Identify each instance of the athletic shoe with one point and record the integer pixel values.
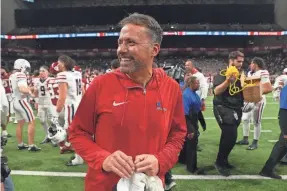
(270, 175)
(253, 146)
(170, 185)
(9, 135)
(222, 170)
(242, 142)
(75, 162)
(22, 147)
(34, 148)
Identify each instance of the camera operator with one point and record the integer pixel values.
(6, 181)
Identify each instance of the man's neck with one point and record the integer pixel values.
(257, 69)
(43, 79)
(193, 71)
(142, 77)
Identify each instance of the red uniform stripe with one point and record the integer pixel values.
(28, 109)
(260, 110)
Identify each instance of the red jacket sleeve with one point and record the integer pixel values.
(83, 127)
(168, 157)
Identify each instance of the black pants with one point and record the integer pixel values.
(280, 148)
(191, 154)
(188, 154)
(228, 121)
(168, 177)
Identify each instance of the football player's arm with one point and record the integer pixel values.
(63, 89)
(83, 88)
(34, 91)
(168, 156)
(22, 84)
(82, 130)
(203, 86)
(23, 87)
(266, 84)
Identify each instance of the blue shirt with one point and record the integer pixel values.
(191, 102)
(181, 84)
(283, 98)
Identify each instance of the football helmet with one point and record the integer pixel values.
(248, 106)
(77, 68)
(56, 133)
(22, 65)
(54, 69)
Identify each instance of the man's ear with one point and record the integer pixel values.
(156, 49)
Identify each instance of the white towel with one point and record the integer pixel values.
(140, 182)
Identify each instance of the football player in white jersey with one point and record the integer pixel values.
(70, 95)
(41, 91)
(4, 109)
(257, 69)
(277, 85)
(23, 110)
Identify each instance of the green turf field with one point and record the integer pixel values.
(247, 162)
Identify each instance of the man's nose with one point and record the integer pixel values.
(122, 48)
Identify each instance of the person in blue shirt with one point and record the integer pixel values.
(192, 106)
(279, 149)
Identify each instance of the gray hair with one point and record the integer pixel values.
(147, 21)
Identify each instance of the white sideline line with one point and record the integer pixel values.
(209, 118)
(264, 131)
(218, 177)
(43, 173)
(272, 141)
(177, 177)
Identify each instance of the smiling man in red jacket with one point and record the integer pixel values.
(130, 120)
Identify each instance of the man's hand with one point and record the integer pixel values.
(120, 164)
(204, 127)
(147, 164)
(285, 137)
(203, 106)
(231, 78)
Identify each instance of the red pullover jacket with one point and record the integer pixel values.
(122, 115)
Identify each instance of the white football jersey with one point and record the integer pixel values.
(3, 98)
(280, 81)
(16, 79)
(263, 74)
(43, 91)
(74, 82)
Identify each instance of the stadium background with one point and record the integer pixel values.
(205, 30)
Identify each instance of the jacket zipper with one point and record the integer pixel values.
(144, 92)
